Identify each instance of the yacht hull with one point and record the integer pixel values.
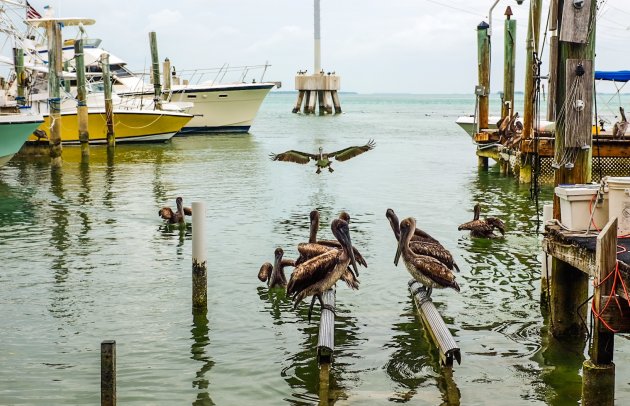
(14, 131)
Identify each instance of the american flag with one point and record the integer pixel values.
(31, 12)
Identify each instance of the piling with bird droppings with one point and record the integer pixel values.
(433, 322)
(199, 257)
(108, 373)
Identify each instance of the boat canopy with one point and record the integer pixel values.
(615, 76)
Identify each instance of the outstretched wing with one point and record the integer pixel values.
(293, 156)
(351, 152)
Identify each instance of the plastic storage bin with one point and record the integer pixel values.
(576, 203)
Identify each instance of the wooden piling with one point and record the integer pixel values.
(108, 373)
(483, 56)
(82, 109)
(434, 324)
(569, 289)
(326, 337)
(545, 271)
(20, 75)
(155, 64)
(53, 31)
(109, 108)
(482, 162)
(509, 62)
(199, 257)
(532, 44)
(553, 60)
(166, 71)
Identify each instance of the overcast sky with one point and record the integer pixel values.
(393, 46)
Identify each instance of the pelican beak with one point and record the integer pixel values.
(398, 252)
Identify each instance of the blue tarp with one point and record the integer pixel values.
(617, 76)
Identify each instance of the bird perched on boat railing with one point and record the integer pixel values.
(318, 274)
(422, 243)
(274, 274)
(483, 228)
(425, 269)
(322, 159)
(173, 217)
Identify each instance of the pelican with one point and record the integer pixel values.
(620, 127)
(483, 228)
(318, 274)
(175, 217)
(422, 243)
(322, 159)
(274, 274)
(425, 269)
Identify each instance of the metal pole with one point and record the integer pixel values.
(199, 260)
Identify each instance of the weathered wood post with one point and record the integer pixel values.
(155, 71)
(199, 260)
(546, 263)
(82, 109)
(109, 108)
(553, 60)
(570, 286)
(108, 373)
(326, 344)
(598, 373)
(531, 67)
(20, 75)
(483, 58)
(166, 71)
(508, 65)
(53, 31)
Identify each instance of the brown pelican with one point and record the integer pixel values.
(425, 269)
(318, 274)
(483, 228)
(322, 159)
(620, 127)
(175, 217)
(422, 243)
(274, 274)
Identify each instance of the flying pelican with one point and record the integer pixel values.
(483, 228)
(274, 274)
(422, 243)
(425, 269)
(317, 275)
(175, 217)
(322, 159)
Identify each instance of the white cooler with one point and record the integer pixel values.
(575, 205)
(620, 203)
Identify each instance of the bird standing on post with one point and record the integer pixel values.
(425, 269)
(318, 274)
(322, 159)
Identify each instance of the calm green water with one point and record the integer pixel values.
(86, 259)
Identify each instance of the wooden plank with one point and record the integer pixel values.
(602, 347)
(616, 314)
(577, 257)
(575, 22)
(579, 87)
(606, 148)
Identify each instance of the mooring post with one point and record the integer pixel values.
(166, 71)
(109, 108)
(326, 343)
(533, 38)
(483, 55)
(482, 162)
(108, 373)
(598, 374)
(20, 75)
(545, 271)
(553, 60)
(155, 71)
(432, 321)
(82, 109)
(54, 101)
(509, 63)
(199, 257)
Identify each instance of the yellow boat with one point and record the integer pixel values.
(129, 126)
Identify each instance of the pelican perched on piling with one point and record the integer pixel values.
(425, 269)
(175, 216)
(422, 243)
(483, 228)
(274, 274)
(322, 159)
(318, 274)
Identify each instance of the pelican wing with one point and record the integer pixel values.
(293, 156)
(351, 152)
(337, 244)
(434, 270)
(312, 271)
(479, 226)
(350, 280)
(436, 251)
(310, 250)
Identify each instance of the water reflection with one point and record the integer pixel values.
(85, 202)
(415, 363)
(201, 341)
(276, 302)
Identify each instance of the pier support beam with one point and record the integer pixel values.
(320, 91)
(525, 169)
(598, 384)
(482, 162)
(569, 289)
(483, 61)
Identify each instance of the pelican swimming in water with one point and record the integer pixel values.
(422, 243)
(425, 269)
(322, 159)
(274, 274)
(175, 216)
(483, 228)
(318, 274)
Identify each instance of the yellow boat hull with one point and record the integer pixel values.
(129, 126)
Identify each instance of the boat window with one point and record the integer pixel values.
(223, 95)
(192, 96)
